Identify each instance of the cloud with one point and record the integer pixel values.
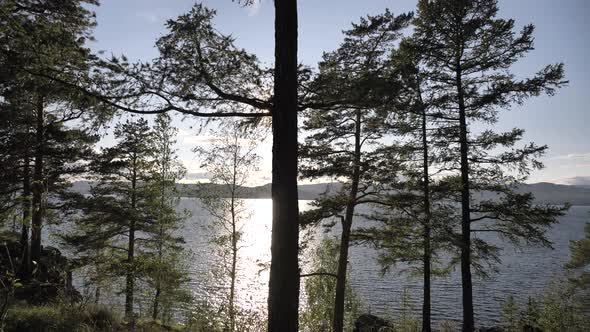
(573, 157)
(199, 140)
(577, 181)
(149, 16)
(254, 8)
(197, 175)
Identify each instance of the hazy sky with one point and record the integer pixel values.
(130, 27)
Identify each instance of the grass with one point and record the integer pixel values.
(46, 318)
(74, 318)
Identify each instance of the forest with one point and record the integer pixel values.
(401, 117)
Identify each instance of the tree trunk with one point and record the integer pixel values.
(130, 278)
(427, 229)
(25, 267)
(155, 312)
(38, 185)
(234, 240)
(97, 295)
(232, 312)
(158, 287)
(283, 299)
(338, 323)
(468, 321)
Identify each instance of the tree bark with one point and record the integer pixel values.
(24, 269)
(338, 324)
(155, 312)
(38, 184)
(130, 278)
(283, 299)
(234, 240)
(426, 323)
(466, 284)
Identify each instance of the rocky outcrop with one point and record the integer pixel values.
(49, 279)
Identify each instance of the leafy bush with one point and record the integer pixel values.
(558, 309)
(448, 326)
(317, 312)
(406, 321)
(511, 315)
(61, 318)
(205, 317)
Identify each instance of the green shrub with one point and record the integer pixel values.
(562, 311)
(316, 314)
(49, 318)
(511, 315)
(558, 309)
(406, 321)
(448, 326)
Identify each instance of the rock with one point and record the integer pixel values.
(51, 277)
(370, 323)
(490, 329)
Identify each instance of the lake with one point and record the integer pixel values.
(523, 273)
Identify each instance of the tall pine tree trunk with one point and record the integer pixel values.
(38, 184)
(234, 240)
(163, 195)
(232, 294)
(427, 229)
(157, 294)
(25, 267)
(466, 284)
(283, 299)
(158, 287)
(338, 324)
(130, 277)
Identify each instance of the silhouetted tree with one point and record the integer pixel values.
(200, 69)
(45, 38)
(344, 142)
(119, 210)
(469, 52)
(164, 247)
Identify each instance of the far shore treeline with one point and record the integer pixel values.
(545, 193)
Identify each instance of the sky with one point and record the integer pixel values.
(562, 122)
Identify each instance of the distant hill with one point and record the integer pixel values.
(548, 193)
(306, 191)
(551, 193)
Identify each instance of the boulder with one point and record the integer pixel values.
(51, 276)
(371, 323)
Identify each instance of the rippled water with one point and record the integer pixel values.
(523, 273)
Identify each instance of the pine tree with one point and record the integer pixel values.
(42, 40)
(200, 69)
(119, 216)
(469, 53)
(164, 247)
(344, 142)
(413, 217)
(62, 150)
